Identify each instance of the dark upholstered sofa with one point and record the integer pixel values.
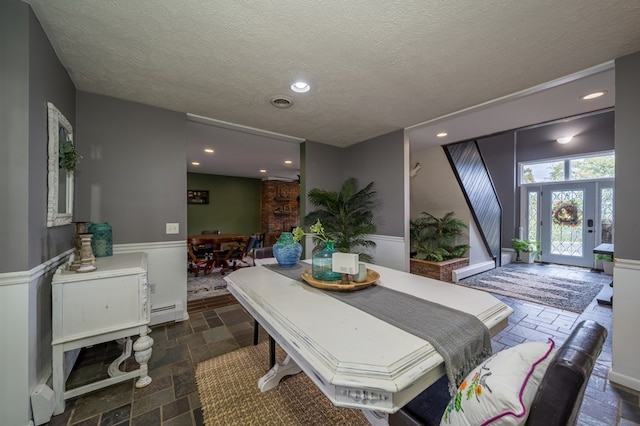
(559, 394)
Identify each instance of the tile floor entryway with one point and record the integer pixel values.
(220, 325)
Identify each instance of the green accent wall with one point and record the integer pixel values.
(234, 204)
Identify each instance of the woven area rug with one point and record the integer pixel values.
(559, 292)
(229, 394)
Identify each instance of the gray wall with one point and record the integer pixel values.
(133, 169)
(321, 167)
(499, 155)
(593, 133)
(627, 202)
(502, 153)
(381, 160)
(49, 82)
(30, 75)
(14, 135)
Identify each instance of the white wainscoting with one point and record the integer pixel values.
(25, 330)
(167, 278)
(625, 368)
(391, 252)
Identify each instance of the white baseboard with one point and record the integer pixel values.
(467, 271)
(626, 381)
(168, 313)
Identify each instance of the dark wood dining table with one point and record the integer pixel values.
(216, 240)
(219, 239)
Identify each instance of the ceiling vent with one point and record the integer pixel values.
(281, 101)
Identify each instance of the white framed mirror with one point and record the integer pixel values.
(60, 168)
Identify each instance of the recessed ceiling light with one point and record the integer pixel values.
(594, 95)
(565, 139)
(442, 134)
(195, 163)
(208, 150)
(263, 170)
(288, 162)
(300, 87)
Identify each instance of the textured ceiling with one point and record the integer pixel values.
(373, 66)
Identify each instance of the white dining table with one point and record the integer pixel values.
(357, 360)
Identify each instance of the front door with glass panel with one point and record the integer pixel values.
(567, 223)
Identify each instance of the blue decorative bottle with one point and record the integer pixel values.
(322, 264)
(286, 250)
(102, 241)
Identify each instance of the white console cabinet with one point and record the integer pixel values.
(108, 304)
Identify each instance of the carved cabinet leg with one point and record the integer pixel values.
(142, 348)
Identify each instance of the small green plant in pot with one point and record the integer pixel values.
(607, 263)
(526, 250)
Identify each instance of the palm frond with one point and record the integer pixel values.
(346, 215)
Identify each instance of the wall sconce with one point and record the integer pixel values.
(564, 140)
(414, 172)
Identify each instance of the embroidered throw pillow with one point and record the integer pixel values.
(501, 389)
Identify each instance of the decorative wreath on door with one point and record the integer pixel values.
(566, 212)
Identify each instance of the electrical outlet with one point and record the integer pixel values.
(173, 228)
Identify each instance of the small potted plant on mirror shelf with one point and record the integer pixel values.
(67, 155)
(526, 250)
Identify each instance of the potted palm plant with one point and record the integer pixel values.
(435, 251)
(346, 216)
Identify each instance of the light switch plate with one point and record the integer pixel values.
(345, 263)
(173, 228)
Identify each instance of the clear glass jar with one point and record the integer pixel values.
(322, 264)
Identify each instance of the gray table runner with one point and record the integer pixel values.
(460, 338)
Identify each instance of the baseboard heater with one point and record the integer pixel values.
(467, 271)
(167, 313)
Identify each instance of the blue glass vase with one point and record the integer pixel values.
(322, 264)
(102, 241)
(286, 250)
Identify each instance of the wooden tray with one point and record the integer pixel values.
(372, 277)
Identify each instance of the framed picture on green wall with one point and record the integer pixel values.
(197, 196)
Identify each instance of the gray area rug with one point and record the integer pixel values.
(559, 292)
(206, 286)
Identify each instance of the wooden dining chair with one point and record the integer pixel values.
(200, 256)
(237, 253)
